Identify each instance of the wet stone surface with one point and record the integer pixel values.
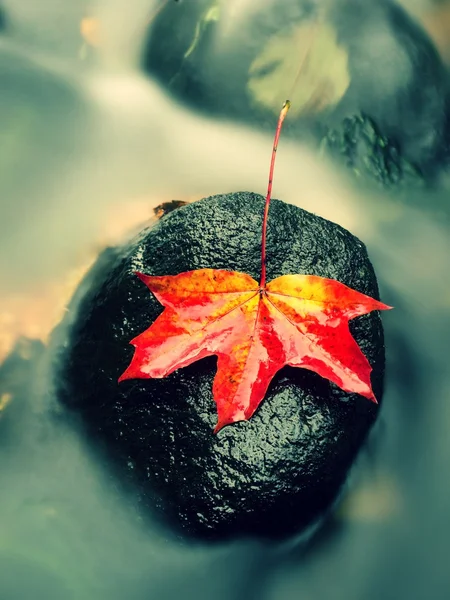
(270, 476)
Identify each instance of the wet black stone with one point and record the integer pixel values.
(270, 476)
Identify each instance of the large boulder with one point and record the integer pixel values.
(334, 60)
(269, 476)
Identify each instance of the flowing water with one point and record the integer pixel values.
(89, 145)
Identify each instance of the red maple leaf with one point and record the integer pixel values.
(297, 320)
(254, 328)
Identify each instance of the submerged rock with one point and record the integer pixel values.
(371, 156)
(332, 60)
(270, 476)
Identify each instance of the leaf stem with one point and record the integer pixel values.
(283, 113)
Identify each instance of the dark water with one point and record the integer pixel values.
(84, 132)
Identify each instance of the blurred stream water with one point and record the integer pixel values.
(86, 135)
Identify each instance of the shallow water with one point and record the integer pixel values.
(88, 140)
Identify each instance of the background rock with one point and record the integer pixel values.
(270, 476)
(360, 146)
(366, 58)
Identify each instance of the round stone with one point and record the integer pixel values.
(270, 476)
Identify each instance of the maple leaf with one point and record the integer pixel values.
(254, 328)
(296, 320)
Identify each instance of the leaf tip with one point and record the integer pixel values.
(371, 396)
(127, 374)
(141, 276)
(382, 306)
(222, 422)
